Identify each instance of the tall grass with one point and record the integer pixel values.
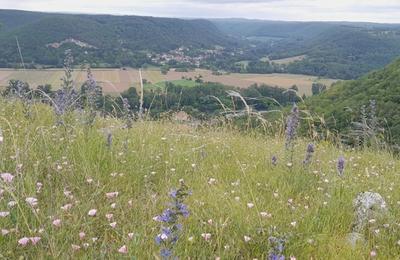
(239, 198)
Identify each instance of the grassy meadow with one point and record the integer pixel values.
(116, 80)
(239, 198)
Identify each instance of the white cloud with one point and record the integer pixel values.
(304, 10)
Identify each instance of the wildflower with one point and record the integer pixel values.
(23, 241)
(373, 253)
(274, 160)
(250, 205)
(112, 195)
(57, 223)
(35, 240)
(340, 165)
(75, 247)
(4, 214)
(165, 253)
(212, 181)
(113, 205)
(31, 201)
(92, 212)
(130, 235)
(277, 247)
(1, 137)
(292, 124)
(247, 239)
(7, 177)
(109, 216)
(82, 235)
(66, 207)
(206, 236)
(39, 186)
(123, 250)
(85, 245)
(109, 140)
(309, 153)
(265, 214)
(113, 224)
(5, 232)
(170, 230)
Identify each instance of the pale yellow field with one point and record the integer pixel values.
(116, 80)
(286, 60)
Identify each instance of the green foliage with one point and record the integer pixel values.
(117, 40)
(334, 50)
(341, 104)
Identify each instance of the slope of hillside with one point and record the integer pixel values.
(333, 49)
(113, 36)
(73, 192)
(341, 103)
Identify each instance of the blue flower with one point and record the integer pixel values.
(340, 165)
(165, 253)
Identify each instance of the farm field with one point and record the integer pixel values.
(116, 80)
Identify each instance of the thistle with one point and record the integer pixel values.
(171, 227)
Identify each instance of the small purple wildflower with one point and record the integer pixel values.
(340, 165)
(165, 253)
(309, 153)
(109, 140)
(274, 160)
(277, 248)
(292, 123)
(171, 229)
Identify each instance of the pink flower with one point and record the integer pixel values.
(66, 207)
(206, 236)
(31, 201)
(82, 235)
(112, 195)
(35, 240)
(7, 177)
(23, 241)
(92, 212)
(109, 216)
(57, 222)
(4, 214)
(113, 225)
(123, 250)
(75, 247)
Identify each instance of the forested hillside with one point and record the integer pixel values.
(114, 40)
(337, 50)
(370, 103)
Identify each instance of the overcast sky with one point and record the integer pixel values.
(294, 10)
